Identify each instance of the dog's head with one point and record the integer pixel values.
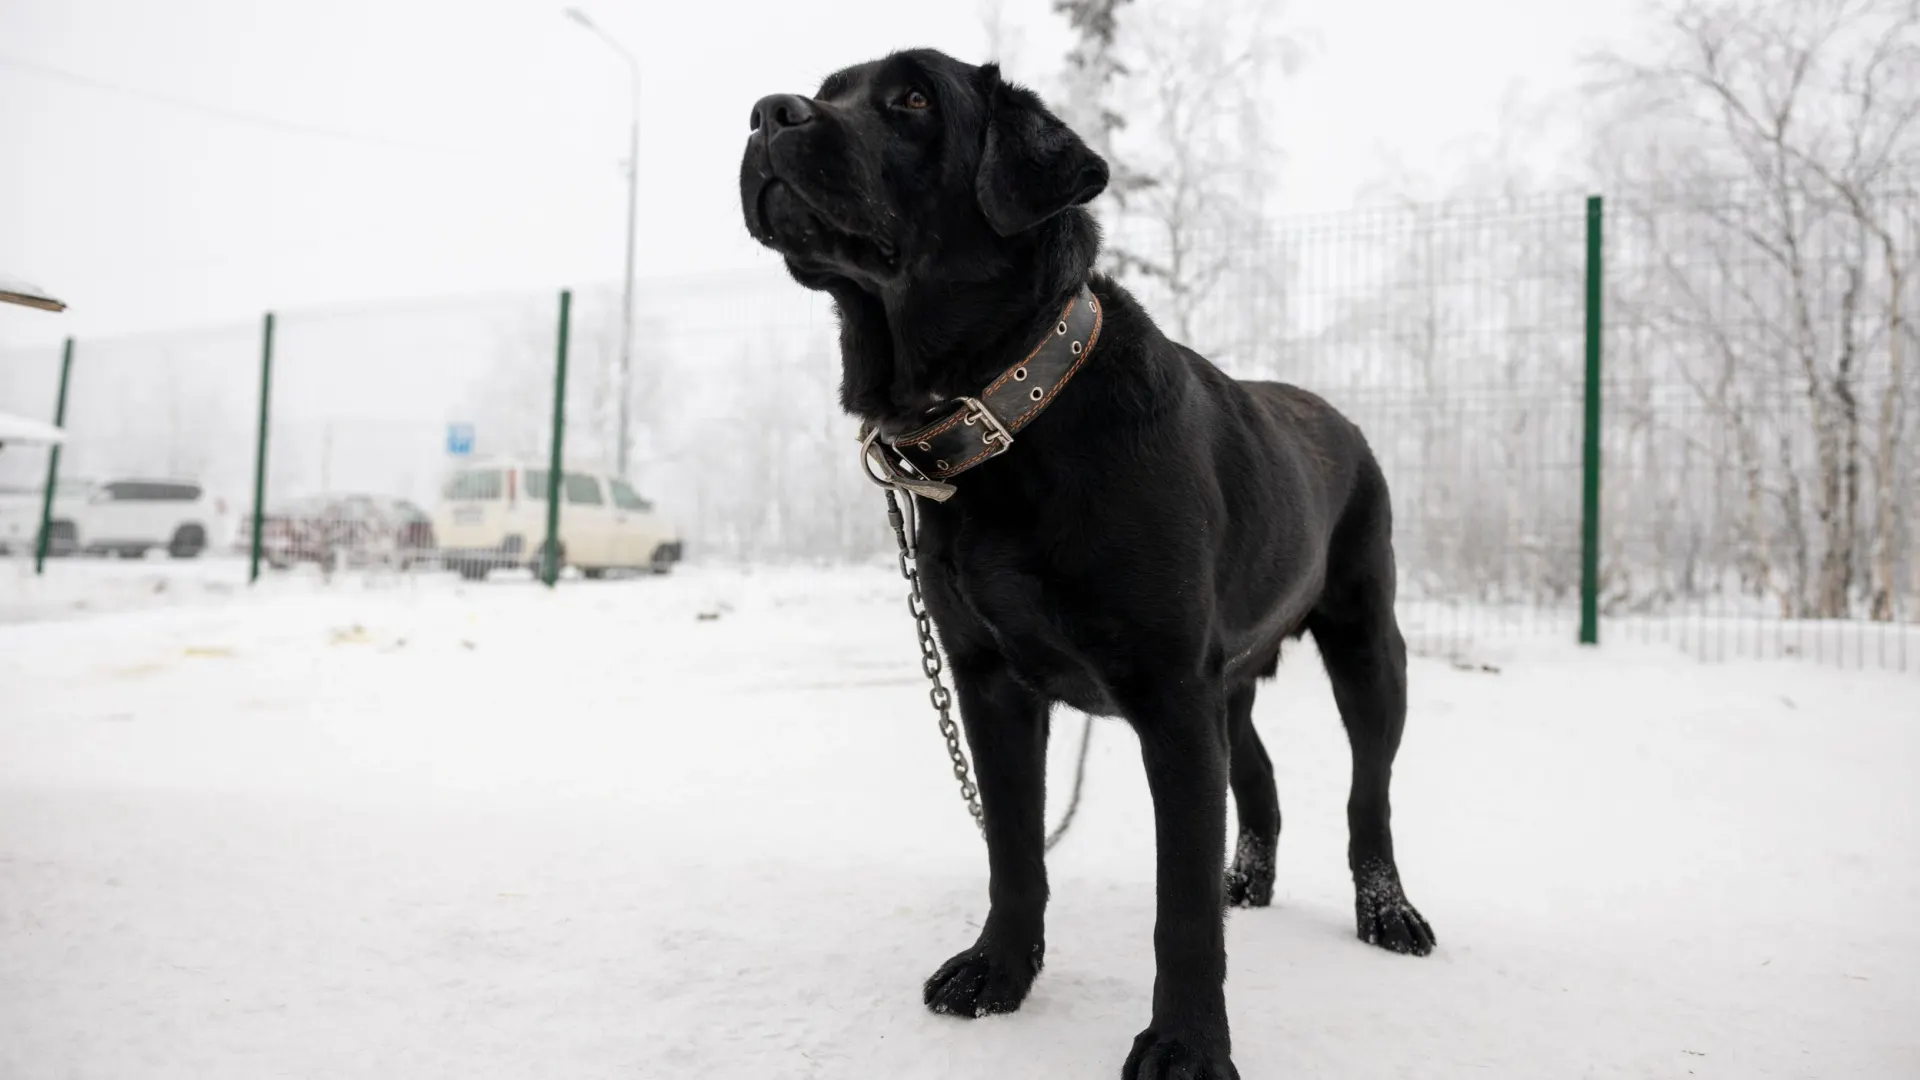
(906, 169)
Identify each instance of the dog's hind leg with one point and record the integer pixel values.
(1366, 658)
(1250, 878)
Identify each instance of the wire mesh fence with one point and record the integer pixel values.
(1759, 445)
(362, 402)
(1453, 336)
(156, 461)
(1763, 450)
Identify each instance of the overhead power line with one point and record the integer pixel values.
(272, 123)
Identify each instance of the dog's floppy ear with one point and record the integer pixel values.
(1033, 165)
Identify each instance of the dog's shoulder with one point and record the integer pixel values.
(1306, 423)
(1168, 379)
(1296, 407)
(1299, 411)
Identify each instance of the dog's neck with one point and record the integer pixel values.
(909, 347)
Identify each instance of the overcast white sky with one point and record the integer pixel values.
(487, 132)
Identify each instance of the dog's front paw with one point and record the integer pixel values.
(983, 980)
(1385, 917)
(1159, 1055)
(1250, 878)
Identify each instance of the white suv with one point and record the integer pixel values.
(125, 517)
(495, 515)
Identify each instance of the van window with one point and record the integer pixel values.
(146, 491)
(626, 498)
(581, 489)
(480, 485)
(584, 490)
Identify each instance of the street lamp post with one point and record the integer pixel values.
(624, 436)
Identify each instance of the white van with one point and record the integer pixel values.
(494, 514)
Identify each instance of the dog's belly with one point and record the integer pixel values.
(1251, 645)
(1075, 689)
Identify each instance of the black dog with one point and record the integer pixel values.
(1143, 550)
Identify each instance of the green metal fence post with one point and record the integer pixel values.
(550, 549)
(53, 464)
(1590, 455)
(260, 449)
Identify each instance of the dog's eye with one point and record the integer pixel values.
(915, 100)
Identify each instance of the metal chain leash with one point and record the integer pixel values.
(1079, 777)
(930, 662)
(943, 699)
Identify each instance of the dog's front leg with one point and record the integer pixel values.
(1185, 751)
(1006, 728)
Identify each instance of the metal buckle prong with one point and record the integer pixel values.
(996, 431)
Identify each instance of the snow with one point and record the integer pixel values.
(88, 585)
(703, 826)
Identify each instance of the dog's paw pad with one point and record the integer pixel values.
(1385, 917)
(981, 982)
(1250, 878)
(1159, 1056)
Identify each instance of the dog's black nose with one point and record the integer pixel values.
(776, 111)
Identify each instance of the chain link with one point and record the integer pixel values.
(942, 699)
(938, 693)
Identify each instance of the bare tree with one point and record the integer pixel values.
(1092, 68)
(1093, 74)
(1813, 107)
(1199, 86)
(1003, 38)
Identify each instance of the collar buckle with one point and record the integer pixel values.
(877, 461)
(995, 434)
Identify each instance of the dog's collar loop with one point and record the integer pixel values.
(977, 429)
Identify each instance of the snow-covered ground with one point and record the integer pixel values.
(702, 826)
(86, 586)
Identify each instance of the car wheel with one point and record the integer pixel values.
(663, 560)
(594, 573)
(188, 542)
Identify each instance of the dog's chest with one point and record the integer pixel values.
(1043, 639)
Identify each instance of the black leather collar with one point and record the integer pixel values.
(977, 429)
